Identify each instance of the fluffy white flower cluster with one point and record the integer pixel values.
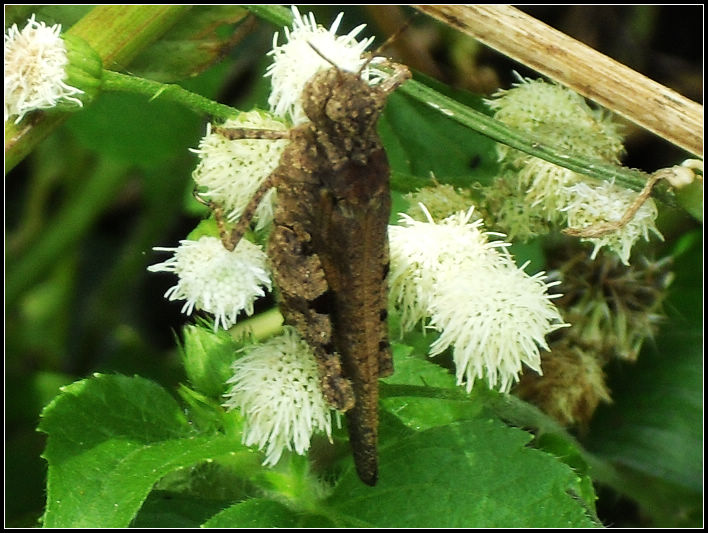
(35, 69)
(215, 280)
(423, 252)
(553, 112)
(588, 204)
(493, 315)
(276, 386)
(308, 49)
(230, 171)
(554, 194)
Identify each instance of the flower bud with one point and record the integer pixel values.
(85, 68)
(45, 70)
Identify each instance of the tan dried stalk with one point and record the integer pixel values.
(588, 72)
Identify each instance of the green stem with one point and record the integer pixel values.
(115, 81)
(117, 34)
(500, 132)
(260, 326)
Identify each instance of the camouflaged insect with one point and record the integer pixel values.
(329, 245)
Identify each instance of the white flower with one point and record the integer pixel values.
(295, 61)
(230, 171)
(554, 194)
(559, 116)
(35, 69)
(589, 205)
(493, 314)
(496, 318)
(277, 388)
(422, 252)
(562, 118)
(215, 280)
(546, 187)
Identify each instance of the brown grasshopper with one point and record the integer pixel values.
(329, 245)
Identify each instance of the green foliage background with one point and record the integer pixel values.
(82, 313)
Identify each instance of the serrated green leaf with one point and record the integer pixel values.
(567, 452)
(419, 412)
(474, 473)
(132, 407)
(412, 368)
(260, 513)
(110, 439)
(207, 358)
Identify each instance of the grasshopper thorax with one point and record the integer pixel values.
(344, 107)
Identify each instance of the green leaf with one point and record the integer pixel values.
(570, 454)
(108, 126)
(110, 439)
(164, 509)
(430, 412)
(419, 140)
(207, 358)
(474, 473)
(656, 424)
(192, 45)
(424, 412)
(260, 512)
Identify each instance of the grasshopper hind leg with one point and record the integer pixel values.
(304, 296)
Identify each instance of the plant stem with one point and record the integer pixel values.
(117, 34)
(629, 178)
(115, 81)
(500, 132)
(260, 326)
(611, 84)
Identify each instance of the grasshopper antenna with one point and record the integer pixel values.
(372, 56)
(319, 53)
